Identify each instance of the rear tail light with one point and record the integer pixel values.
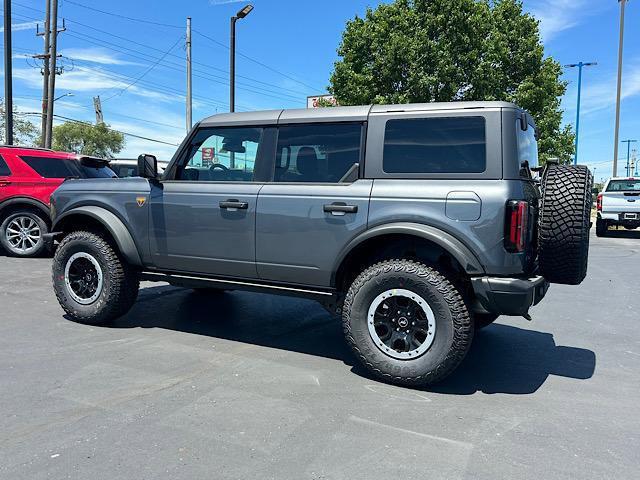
(599, 202)
(516, 226)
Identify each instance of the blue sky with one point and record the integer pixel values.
(287, 49)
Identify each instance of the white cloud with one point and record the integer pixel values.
(95, 55)
(600, 94)
(16, 27)
(557, 16)
(85, 79)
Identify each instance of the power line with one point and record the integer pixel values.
(145, 72)
(206, 65)
(178, 67)
(255, 61)
(133, 19)
(204, 75)
(109, 128)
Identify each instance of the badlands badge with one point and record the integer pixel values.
(141, 201)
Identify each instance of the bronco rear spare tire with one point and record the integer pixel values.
(565, 220)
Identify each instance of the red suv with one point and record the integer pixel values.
(28, 177)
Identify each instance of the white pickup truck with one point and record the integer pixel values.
(618, 205)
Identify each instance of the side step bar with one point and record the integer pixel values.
(324, 296)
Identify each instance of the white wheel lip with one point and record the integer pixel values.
(426, 308)
(17, 234)
(72, 294)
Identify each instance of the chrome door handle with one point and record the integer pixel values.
(234, 204)
(339, 208)
(4, 183)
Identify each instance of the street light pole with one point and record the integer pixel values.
(579, 65)
(8, 78)
(232, 56)
(619, 89)
(628, 142)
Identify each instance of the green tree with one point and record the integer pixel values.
(445, 50)
(24, 132)
(87, 139)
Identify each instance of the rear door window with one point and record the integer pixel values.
(435, 145)
(318, 153)
(4, 168)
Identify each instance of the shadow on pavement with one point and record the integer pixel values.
(502, 359)
(634, 234)
(508, 359)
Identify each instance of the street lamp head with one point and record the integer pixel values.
(245, 11)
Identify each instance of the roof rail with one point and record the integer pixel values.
(27, 148)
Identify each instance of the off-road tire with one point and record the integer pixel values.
(602, 229)
(121, 282)
(453, 334)
(565, 221)
(483, 320)
(40, 246)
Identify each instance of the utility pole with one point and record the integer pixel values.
(189, 93)
(8, 76)
(97, 106)
(619, 89)
(53, 56)
(45, 71)
(628, 142)
(579, 65)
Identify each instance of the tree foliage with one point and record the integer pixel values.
(24, 132)
(84, 138)
(446, 50)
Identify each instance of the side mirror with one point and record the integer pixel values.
(147, 166)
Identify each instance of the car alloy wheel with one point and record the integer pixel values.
(83, 278)
(401, 323)
(23, 235)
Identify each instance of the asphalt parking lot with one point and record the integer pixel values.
(247, 385)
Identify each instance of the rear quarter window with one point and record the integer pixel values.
(527, 148)
(48, 167)
(4, 168)
(435, 145)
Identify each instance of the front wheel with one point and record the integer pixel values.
(92, 283)
(406, 323)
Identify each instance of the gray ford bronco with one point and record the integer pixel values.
(418, 224)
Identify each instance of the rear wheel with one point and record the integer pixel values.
(565, 221)
(601, 228)
(92, 283)
(22, 234)
(406, 323)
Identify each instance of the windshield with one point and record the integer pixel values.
(631, 185)
(527, 145)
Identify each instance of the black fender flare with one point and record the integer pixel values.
(448, 242)
(114, 226)
(26, 201)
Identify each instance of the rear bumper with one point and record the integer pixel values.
(509, 296)
(614, 217)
